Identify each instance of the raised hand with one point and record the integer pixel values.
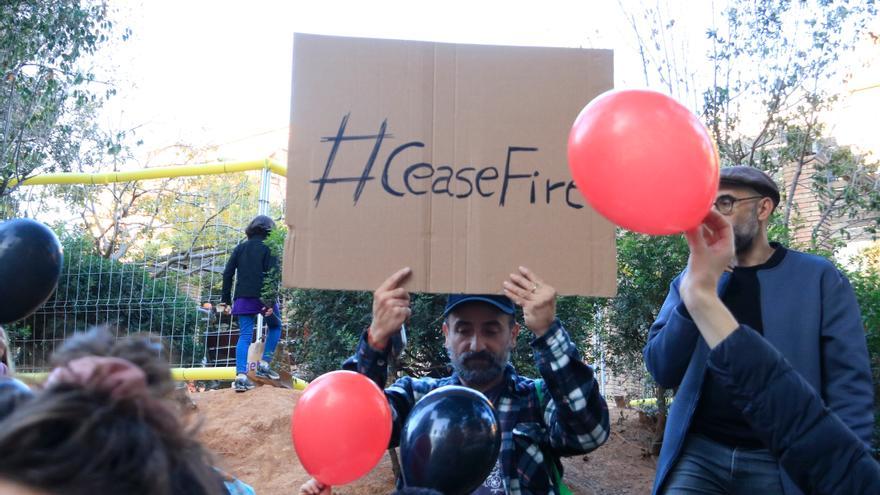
(537, 299)
(390, 309)
(712, 249)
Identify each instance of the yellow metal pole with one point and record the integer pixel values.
(182, 374)
(277, 168)
(155, 173)
(185, 374)
(221, 373)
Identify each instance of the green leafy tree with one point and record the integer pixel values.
(848, 190)
(272, 280)
(646, 265)
(168, 218)
(325, 327)
(865, 279)
(48, 99)
(773, 117)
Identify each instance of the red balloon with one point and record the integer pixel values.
(341, 427)
(644, 161)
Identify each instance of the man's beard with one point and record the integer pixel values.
(478, 368)
(744, 234)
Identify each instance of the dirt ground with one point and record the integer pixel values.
(250, 434)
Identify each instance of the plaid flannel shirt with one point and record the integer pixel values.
(571, 418)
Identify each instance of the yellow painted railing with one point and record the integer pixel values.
(156, 173)
(223, 373)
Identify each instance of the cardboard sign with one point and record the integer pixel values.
(450, 159)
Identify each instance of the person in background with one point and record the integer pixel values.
(249, 263)
(6, 366)
(817, 450)
(13, 393)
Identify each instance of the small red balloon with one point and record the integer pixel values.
(644, 161)
(341, 427)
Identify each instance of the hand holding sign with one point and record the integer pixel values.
(537, 299)
(644, 161)
(712, 247)
(390, 309)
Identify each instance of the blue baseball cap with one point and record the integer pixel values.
(503, 303)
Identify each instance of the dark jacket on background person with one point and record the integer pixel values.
(818, 452)
(252, 259)
(810, 315)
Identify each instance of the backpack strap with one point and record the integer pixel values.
(557, 477)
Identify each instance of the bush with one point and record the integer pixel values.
(326, 326)
(866, 284)
(93, 290)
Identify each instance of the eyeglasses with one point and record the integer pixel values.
(724, 204)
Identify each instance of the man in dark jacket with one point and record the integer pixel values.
(819, 453)
(802, 305)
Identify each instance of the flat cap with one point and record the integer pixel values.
(742, 175)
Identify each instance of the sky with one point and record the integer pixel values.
(217, 73)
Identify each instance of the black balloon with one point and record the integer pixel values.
(450, 441)
(12, 394)
(30, 264)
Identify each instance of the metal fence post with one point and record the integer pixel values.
(263, 209)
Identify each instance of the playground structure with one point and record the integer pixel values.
(144, 251)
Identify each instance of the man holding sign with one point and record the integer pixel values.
(562, 413)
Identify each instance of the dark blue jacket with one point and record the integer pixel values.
(819, 453)
(810, 315)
